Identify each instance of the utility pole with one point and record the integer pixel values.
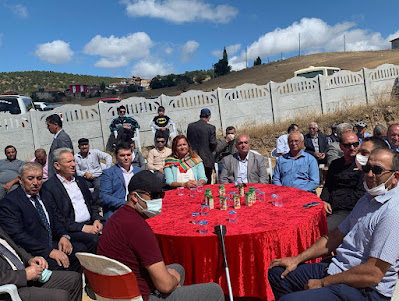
(246, 57)
(344, 44)
(299, 44)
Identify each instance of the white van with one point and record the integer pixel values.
(313, 71)
(16, 104)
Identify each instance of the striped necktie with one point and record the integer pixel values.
(43, 217)
(11, 256)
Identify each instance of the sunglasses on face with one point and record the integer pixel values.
(122, 112)
(348, 145)
(160, 141)
(153, 195)
(377, 170)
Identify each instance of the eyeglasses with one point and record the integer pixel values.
(377, 170)
(161, 141)
(153, 195)
(348, 145)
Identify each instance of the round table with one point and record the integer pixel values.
(262, 233)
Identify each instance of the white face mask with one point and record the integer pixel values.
(361, 161)
(379, 190)
(154, 207)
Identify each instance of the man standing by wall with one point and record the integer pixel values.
(61, 139)
(202, 137)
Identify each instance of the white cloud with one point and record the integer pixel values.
(393, 36)
(56, 52)
(180, 11)
(316, 35)
(149, 69)
(168, 50)
(18, 10)
(231, 50)
(188, 50)
(118, 52)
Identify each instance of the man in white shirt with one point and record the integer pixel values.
(72, 201)
(156, 157)
(88, 165)
(282, 141)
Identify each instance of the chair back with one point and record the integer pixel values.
(109, 279)
(395, 296)
(10, 289)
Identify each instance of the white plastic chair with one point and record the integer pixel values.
(216, 174)
(274, 153)
(10, 289)
(136, 140)
(109, 279)
(395, 296)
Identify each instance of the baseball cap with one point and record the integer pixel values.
(146, 181)
(205, 112)
(361, 124)
(83, 141)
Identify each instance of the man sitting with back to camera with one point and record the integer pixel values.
(130, 240)
(245, 166)
(366, 263)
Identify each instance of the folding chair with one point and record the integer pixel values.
(10, 289)
(108, 278)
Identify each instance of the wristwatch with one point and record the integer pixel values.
(66, 236)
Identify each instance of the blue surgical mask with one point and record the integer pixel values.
(154, 207)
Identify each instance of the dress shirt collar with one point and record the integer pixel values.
(80, 154)
(387, 196)
(124, 170)
(289, 156)
(243, 160)
(56, 135)
(63, 180)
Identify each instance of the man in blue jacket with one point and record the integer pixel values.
(115, 180)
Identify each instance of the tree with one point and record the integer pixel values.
(102, 86)
(258, 61)
(222, 67)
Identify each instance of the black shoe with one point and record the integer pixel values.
(90, 293)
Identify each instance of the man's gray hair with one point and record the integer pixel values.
(296, 133)
(379, 129)
(344, 127)
(58, 153)
(29, 166)
(314, 124)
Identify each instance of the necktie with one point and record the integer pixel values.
(43, 217)
(11, 256)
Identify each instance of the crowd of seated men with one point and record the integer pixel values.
(86, 204)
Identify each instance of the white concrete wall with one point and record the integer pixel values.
(243, 106)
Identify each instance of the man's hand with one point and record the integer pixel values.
(40, 261)
(65, 245)
(88, 176)
(290, 264)
(98, 225)
(229, 138)
(313, 283)
(8, 186)
(327, 207)
(60, 257)
(175, 274)
(127, 127)
(90, 229)
(161, 170)
(33, 272)
(322, 156)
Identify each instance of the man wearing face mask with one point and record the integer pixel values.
(367, 251)
(344, 182)
(369, 144)
(130, 240)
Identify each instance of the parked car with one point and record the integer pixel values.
(313, 71)
(16, 104)
(110, 100)
(43, 106)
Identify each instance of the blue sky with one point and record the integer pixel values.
(149, 37)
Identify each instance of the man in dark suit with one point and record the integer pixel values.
(24, 270)
(29, 220)
(61, 139)
(202, 137)
(72, 201)
(316, 143)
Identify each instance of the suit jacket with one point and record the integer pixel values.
(7, 274)
(323, 143)
(256, 172)
(20, 219)
(62, 140)
(56, 194)
(113, 189)
(333, 152)
(202, 137)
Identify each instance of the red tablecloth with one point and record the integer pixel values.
(262, 233)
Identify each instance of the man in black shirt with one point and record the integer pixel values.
(344, 183)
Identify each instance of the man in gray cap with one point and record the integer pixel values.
(139, 249)
(361, 128)
(202, 137)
